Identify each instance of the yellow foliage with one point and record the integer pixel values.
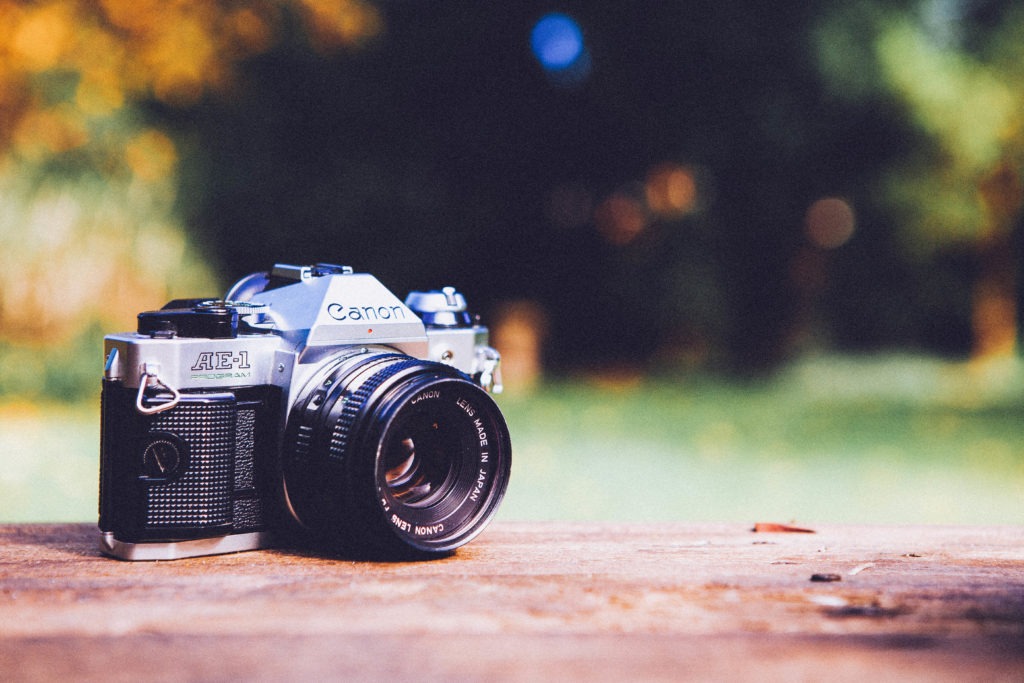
(45, 132)
(174, 50)
(99, 242)
(42, 36)
(151, 155)
(335, 23)
(251, 29)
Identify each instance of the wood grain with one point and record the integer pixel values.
(529, 601)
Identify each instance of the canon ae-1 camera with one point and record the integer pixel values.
(309, 405)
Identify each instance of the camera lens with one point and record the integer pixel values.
(395, 453)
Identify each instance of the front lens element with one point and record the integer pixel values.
(417, 467)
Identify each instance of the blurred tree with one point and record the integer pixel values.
(89, 227)
(651, 201)
(659, 197)
(957, 68)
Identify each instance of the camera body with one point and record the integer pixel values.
(309, 404)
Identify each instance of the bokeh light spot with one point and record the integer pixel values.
(557, 41)
(829, 222)
(620, 218)
(671, 190)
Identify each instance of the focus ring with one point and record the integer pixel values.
(355, 403)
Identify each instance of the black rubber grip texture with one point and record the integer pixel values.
(202, 497)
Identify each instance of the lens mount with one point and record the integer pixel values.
(391, 452)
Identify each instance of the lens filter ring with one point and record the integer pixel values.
(443, 459)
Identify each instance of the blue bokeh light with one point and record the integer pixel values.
(557, 42)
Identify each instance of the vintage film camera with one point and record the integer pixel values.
(310, 405)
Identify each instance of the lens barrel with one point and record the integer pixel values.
(388, 452)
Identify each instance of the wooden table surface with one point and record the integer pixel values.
(529, 601)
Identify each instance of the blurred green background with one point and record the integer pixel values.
(752, 261)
